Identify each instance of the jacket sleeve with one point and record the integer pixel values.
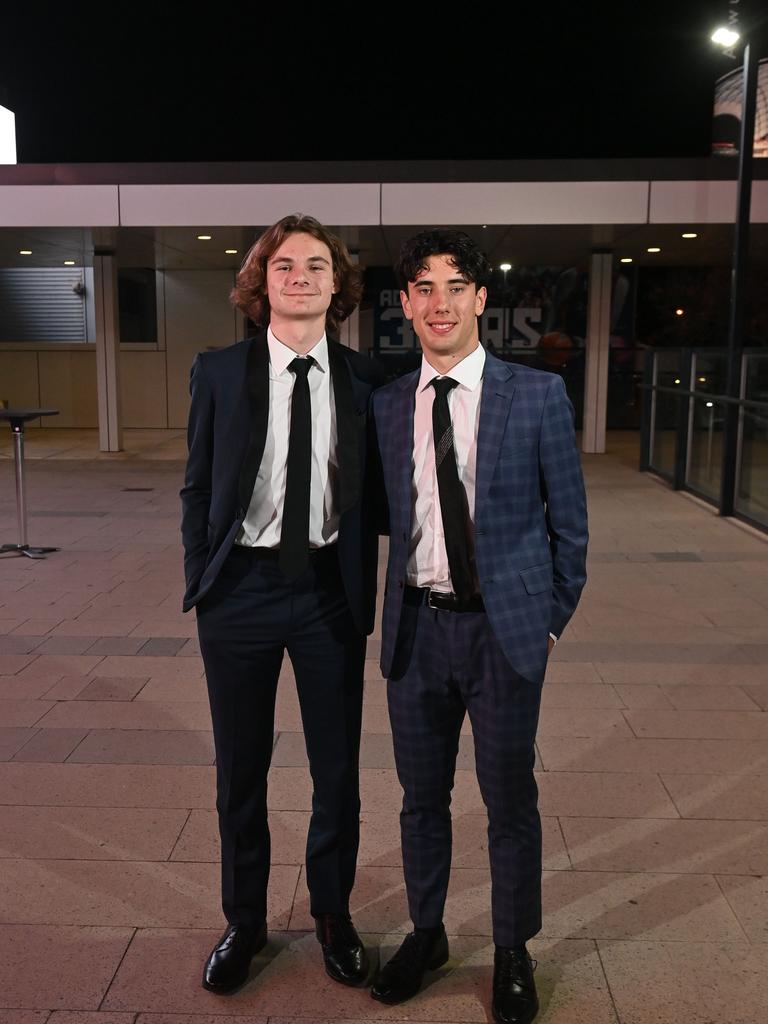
(565, 500)
(196, 492)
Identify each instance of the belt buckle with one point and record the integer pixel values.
(428, 602)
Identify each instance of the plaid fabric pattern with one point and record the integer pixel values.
(456, 665)
(530, 508)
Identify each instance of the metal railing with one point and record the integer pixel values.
(684, 404)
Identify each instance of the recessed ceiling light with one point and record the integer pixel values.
(25, 252)
(679, 312)
(69, 263)
(485, 225)
(653, 248)
(677, 380)
(204, 238)
(702, 380)
(689, 234)
(505, 266)
(625, 259)
(231, 252)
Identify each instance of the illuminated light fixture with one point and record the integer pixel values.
(710, 404)
(69, 263)
(679, 312)
(702, 380)
(231, 252)
(689, 234)
(725, 37)
(653, 248)
(204, 238)
(25, 252)
(485, 225)
(505, 267)
(625, 259)
(677, 380)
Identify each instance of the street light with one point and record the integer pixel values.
(726, 38)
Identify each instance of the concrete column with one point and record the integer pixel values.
(107, 352)
(598, 345)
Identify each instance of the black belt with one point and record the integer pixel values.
(445, 602)
(273, 554)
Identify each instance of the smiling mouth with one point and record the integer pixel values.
(442, 327)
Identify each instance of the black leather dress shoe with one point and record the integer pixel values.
(514, 990)
(226, 969)
(401, 978)
(343, 951)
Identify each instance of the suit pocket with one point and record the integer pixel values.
(537, 579)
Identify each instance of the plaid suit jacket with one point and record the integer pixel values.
(530, 508)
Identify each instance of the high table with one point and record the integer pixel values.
(17, 418)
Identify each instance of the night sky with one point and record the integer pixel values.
(169, 81)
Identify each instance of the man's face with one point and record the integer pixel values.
(300, 280)
(444, 307)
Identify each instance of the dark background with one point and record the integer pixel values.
(170, 81)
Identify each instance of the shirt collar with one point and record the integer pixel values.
(280, 355)
(468, 373)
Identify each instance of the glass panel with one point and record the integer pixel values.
(710, 373)
(663, 432)
(668, 367)
(752, 490)
(756, 377)
(705, 447)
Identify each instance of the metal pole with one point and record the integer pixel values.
(739, 282)
(21, 498)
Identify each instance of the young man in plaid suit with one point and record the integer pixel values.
(488, 538)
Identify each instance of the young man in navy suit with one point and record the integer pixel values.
(280, 555)
(488, 537)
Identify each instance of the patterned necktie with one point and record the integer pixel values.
(453, 498)
(294, 534)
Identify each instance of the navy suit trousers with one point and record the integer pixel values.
(449, 663)
(248, 619)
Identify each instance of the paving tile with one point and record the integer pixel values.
(89, 833)
(691, 982)
(13, 739)
(116, 645)
(758, 692)
(11, 664)
(153, 667)
(605, 754)
(579, 695)
(710, 698)
(728, 797)
(748, 897)
(24, 1016)
(57, 966)
(89, 1017)
(614, 905)
(665, 673)
(148, 715)
(163, 646)
(112, 688)
(20, 688)
(19, 644)
(107, 785)
(23, 712)
(699, 724)
(67, 687)
(50, 745)
(54, 666)
(145, 746)
(127, 893)
(603, 794)
(67, 644)
(648, 695)
(175, 688)
(160, 974)
(676, 846)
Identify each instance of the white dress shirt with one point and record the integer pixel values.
(264, 519)
(428, 560)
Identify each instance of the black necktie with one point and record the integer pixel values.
(294, 535)
(453, 498)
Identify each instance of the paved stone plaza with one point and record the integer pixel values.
(653, 774)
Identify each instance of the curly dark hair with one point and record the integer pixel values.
(466, 256)
(250, 291)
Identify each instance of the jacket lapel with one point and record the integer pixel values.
(350, 429)
(498, 389)
(401, 443)
(256, 398)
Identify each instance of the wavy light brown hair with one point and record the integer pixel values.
(250, 291)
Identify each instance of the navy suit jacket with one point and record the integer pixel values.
(530, 508)
(228, 422)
